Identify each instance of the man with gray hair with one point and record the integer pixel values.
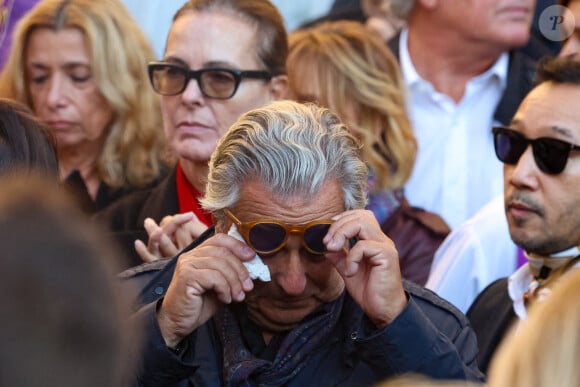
(297, 284)
(465, 72)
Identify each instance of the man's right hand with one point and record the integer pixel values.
(205, 277)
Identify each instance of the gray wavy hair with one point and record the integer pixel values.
(291, 147)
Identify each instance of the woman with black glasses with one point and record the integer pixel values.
(222, 58)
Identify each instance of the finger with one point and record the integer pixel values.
(166, 247)
(182, 237)
(347, 262)
(221, 260)
(170, 224)
(240, 249)
(143, 252)
(372, 254)
(349, 224)
(214, 280)
(150, 226)
(189, 232)
(154, 241)
(338, 259)
(355, 256)
(195, 228)
(222, 246)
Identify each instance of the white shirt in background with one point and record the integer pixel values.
(475, 254)
(456, 171)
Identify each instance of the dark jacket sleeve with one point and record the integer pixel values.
(429, 337)
(158, 366)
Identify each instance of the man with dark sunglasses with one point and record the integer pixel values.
(287, 186)
(540, 150)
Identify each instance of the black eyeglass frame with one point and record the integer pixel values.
(538, 149)
(238, 75)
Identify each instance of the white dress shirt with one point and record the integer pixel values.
(456, 171)
(473, 255)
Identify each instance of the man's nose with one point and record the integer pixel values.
(292, 274)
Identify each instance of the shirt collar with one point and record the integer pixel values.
(518, 284)
(519, 281)
(412, 77)
(499, 70)
(409, 73)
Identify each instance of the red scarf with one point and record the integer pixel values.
(188, 198)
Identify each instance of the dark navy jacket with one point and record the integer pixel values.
(429, 337)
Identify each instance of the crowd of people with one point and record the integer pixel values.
(386, 195)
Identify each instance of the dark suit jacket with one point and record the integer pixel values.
(520, 78)
(125, 217)
(491, 315)
(436, 338)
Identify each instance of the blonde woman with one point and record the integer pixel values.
(342, 66)
(80, 65)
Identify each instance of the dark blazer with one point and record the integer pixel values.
(125, 217)
(430, 337)
(491, 315)
(520, 78)
(106, 195)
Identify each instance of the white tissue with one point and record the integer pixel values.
(256, 267)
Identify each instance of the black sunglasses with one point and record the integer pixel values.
(268, 236)
(550, 154)
(219, 83)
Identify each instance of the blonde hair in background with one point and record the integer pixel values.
(418, 380)
(357, 76)
(545, 349)
(135, 147)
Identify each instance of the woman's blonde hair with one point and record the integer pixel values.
(135, 147)
(355, 72)
(544, 351)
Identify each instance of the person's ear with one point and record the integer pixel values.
(279, 88)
